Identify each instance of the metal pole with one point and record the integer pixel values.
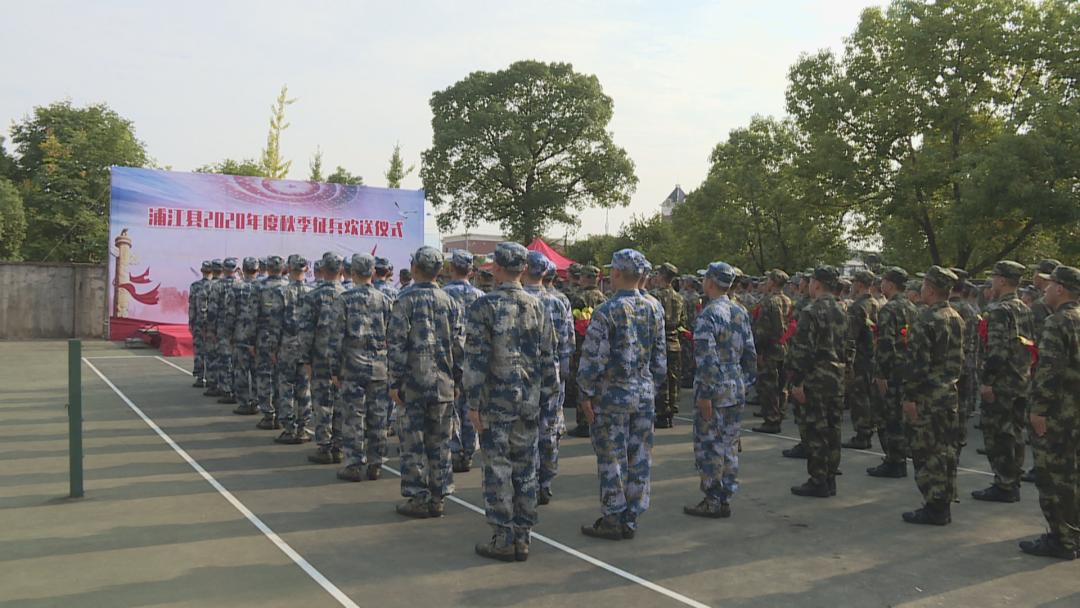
(75, 447)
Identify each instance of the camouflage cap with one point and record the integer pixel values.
(274, 263)
(625, 260)
(346, 263)
(574, 270)
(363, 264)
(317, 265)
(251, 264)
(913, 285)
(669, 270)
(486, 273)
(216, 264)
(896, 275)
(331, 262)
(207, 266)
(230, 264)
(1009, 270)
(297, 262)
(1068, 277)
(383, 264)
(552, 271)
(591, 271)
(942, 278)
(428, 260)
(262, 262)
(511, 256)
(778, 276)
(960, 273)
(1045, 267)
(828, 275)
(461, 259)
(538, 264)
(864, 277)
(722, 273)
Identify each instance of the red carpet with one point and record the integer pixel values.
(171, 340)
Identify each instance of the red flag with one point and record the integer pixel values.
(141, 279)
(1033, 350)
(755, 313)
(792, 326)
(149, 298)
(580, 326)
(984, 330)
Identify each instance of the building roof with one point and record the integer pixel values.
(677, 195)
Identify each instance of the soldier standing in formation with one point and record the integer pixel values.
(247, 313)
(294, 384)
(586, 296)
(463, 438)
(862, 325)
(770, 329)
(319, 345)
(891, 360)
(197, 293)
(210, 341)
(674, 309)
(271, 297)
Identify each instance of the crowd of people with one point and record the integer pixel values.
(456, 360)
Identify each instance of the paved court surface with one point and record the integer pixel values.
(259, 526)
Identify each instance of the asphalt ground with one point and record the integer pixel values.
(221, 516)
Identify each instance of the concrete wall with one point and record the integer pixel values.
(52, 300)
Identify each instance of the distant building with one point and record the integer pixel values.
(676, 198)
(476, 244)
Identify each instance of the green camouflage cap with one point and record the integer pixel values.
(216, 264)
(207, 266)
(1045, 267)
(942, 278)
(1068, 277)
(230, 264)
(778, 276)
(827, 275)
(864, 276)
(297, 262)
(913, 285)
(331, 261)
(574, 270)
(896, 275)
(668, 270)
(590, 271)
(251, 264)
(1009, 269)
(960, 273)
(274, 263)
(362, 264)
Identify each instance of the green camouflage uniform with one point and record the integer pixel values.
(667, 398)
(862, 321)
(770, 324)
(891, 359)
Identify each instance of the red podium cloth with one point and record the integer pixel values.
(171, 340)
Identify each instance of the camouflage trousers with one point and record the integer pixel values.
(326, 404)
(198, 366)
(573, 396)
(266, 381)
(225, 365)
(933, 450)
(716, 452)
(771, 392)
(510, 482)
(889, 421)
(364, 404)
(550, 427)
(463, 439)
(243, 375)
(822, 414)
(623, 446)
(667, 395)
(210, 356)
(859, 395)
(424, 432)
(1003, 427)
(967, 388)
(1057, 476)
(294, 396)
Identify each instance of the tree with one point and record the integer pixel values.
(754, 209)
(937, 126)
(523, 147)
(273, 165)
(7, 164)
(341, 176)
(316, 166)
(249, 167)
(595, 249)
(12, 221)
(397, 170)
(62, 160)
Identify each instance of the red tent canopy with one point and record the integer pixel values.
(562, 263)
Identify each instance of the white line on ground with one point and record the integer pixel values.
(298, 559)
(871, 452)
(540, 537)
(95, 357)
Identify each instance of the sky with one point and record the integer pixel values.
(198, 78)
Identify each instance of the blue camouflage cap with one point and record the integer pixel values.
(346, 264)
(511, 256)
(331, 261)
(722, 273)
(461, 259)
(206, 266)
(383, 264)
(230, 264)
(428, 260)
(251, 264)
(538, 264)
(297, 262)
(363, 264)
(628, 260)
(552, 270)
(274, 263)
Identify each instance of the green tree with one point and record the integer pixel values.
(62, 159)
(341, 176)
(316, 166)
(7, 164)
(755, 210)
(523, 147)
(594, 249)
(936, 126)
(397, 170)
(12, 221)
(247, 166)
(273, 165)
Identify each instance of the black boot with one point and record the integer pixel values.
(1048, 545)
(227, 398)
(579, 431)
(604, 528)
(199, 383)
(996, 494)
(894, 470)
(799, 451)
(1029, 475)
(931, 514)
(858, 442)
(767, 427)
(544, 496)
(709, 508)
(213, 391)
(812, 489)
(247, 409)
(268, 423)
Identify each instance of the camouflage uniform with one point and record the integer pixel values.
(968, 386)
(247, 311)
(674, 309)
(862, 326)
(937, 357)
(294, 386)
(692, 304)
(463, 439)
(196, 321)
(362, 316)
(891, 360)
(425, 339)
(268, 330)
(623, 359)
(225, 327)
(726, 366)
(210, 340)
(509, 370)
(1056, 396)
(770, 325)
(319, 343)
(1007, 371)
(582, 298)
(816, 362)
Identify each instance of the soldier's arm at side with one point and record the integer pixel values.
(594, 355)
(476, 355)
(1046, 389)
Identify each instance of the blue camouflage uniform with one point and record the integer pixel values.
(463, 439)
(197, 293)
(509, 371)
(319, 342)
(425, 339)
(726, 366)
(294, 386)
(210, 341)
(225, 325)
(362, 316)
(271, 298)
(623, 360)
